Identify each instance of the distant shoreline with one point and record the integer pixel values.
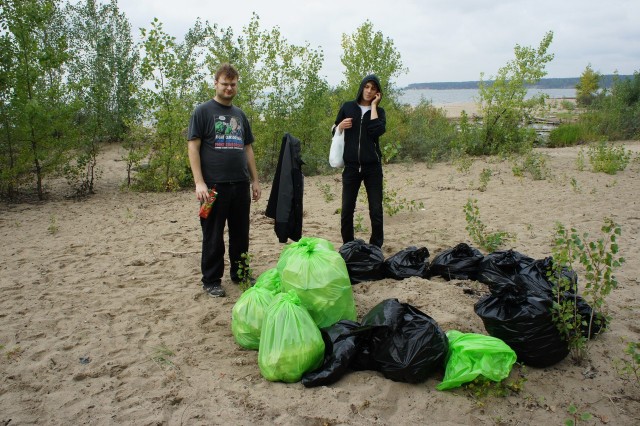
(462, 96)
(606, 81)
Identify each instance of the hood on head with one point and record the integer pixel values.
(370, 77)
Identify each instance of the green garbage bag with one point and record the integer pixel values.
(269, 280)
(317, 243)
(471, 355)
(290, 343)
(319, 276)
(247, 316)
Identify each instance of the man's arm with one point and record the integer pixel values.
(253, 171)
(196, 168)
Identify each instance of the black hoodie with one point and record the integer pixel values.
(361, 141)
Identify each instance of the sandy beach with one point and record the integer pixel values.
(454, 109)
(103, 319)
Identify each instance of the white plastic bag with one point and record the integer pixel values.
(337, 149)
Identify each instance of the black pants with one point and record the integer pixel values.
(231, 207)
(352, 177)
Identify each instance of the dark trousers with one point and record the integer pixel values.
(352, 177)
(232, 208)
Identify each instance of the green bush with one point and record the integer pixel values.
(615, 113)
(427, 134)
(489, 241)
(607, 158)
(567, 134)
(568, 105)
(598, 258)
(533, 163)
(468, 138)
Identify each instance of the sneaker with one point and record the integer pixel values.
(214, 290)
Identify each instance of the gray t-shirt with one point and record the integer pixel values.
(223, 131)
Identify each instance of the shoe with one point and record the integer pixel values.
(214, 290)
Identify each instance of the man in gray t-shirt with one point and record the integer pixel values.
(221, 157)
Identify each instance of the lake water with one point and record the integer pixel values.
(450, 96)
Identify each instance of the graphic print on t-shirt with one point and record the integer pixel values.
(228, 132)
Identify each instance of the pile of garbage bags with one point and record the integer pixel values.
(366, 262)
(301, 316)
(518, 309)
(293, 309)
(394, 338)
(281, 315)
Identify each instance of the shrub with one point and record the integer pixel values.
(607, 158)
(428, 133)
(468, 138)
(393, 205)
(568, 134)
(505, 108)
(490, 241)
(533, 163)
(630, 366)
(485, 177)
(567, 105)
(599, 258)
(615, 114)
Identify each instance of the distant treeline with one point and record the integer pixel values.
(606, 81)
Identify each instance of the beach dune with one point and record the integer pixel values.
(103, 319)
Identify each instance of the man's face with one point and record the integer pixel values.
(226, 89)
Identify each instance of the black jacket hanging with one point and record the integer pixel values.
(285, 200)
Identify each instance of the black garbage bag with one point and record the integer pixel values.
(499, 282)
(458, 263)
(535, 280)
(523, 321)
(537, 277)
(506, 268)
(364, 261)
(409, 262)
(341, 342)
(501, 265)
(404, 344)
(508, 261)
(499, 269)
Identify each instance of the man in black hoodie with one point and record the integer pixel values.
(363, 121)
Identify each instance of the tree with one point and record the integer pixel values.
(615, 113)
(504, 106)
(174, 70)
(281, 91)
(9, 143)
(587, 86)
(369, 52)
(102, 77)
(33, 94)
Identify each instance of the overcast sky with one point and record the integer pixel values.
(438, 40)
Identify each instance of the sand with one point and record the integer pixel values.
(103, 320)
(453, 110)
